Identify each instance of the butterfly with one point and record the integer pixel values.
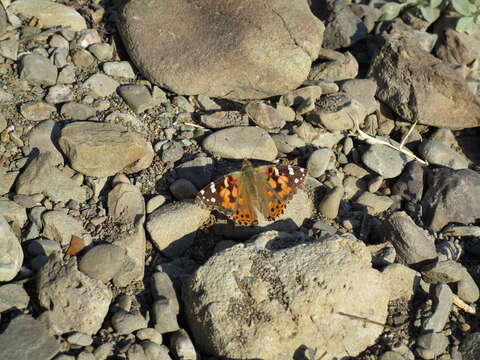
(252, 191)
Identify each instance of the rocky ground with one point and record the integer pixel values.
(105, 255)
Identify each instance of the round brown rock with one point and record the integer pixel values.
(231, 49)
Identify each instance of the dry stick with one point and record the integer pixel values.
(323, 355)
(408, 133)
(196, 126)
(372, 141)
(462, 305)
(355, 317)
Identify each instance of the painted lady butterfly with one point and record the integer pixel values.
(253, 191)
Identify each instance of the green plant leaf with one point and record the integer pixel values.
(465, 24)
(464, 7)
(390, 10)
(435, 3)
(427, 13)
(477, 20)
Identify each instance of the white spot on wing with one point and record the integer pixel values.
(202, 192)
(290, 170)
(302, 170)
(212, 188)
(212, 199)
(295, 181)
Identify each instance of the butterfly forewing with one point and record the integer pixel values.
(221, 194)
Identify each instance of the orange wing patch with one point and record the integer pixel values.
(245, 217)
(229, 192)
(275, 209)
(278, 182)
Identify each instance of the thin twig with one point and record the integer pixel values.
(372, 141)
(408, 133)
(463, 305)
(355, 317)
(323, 355)
(196, 126)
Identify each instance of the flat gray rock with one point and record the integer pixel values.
(343, 27)
(76, 111)
(101, 85)
(121, 69)
(102, 149)
(59, 226)
(410, 241)
(37, 110)
(13, 296)
(165, 316)
(337, 112)
(37, 70)
(449, 197)
(319, 161)
(137, 97)
(11, 250)
(14, 213)
(430, 345)
(125, 323)
(42, 139)
(102, 262)
(265, 116)
(101, 51)
(134, 245)
(223, 119)
(41, 176)
(59, 94)
(243, 142)
(49, 13)
(438, 153)
(7, 179)
(385, 161)
(198, 171)
(362, 90)
(186, 47)
(442, 305)
(173, 226)
(27, 339)
(375, 204)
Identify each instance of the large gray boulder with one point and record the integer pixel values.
(231, 49)
(266, 300)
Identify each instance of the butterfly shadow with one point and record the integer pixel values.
(235, 232)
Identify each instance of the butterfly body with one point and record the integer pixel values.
(253, 192)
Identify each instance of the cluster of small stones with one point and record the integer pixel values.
(98, 168)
